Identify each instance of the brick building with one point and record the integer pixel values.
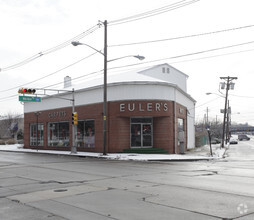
(148, 108)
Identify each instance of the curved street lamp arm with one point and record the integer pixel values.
(76, 43)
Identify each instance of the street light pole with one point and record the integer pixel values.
(105, 54)
(105, 88)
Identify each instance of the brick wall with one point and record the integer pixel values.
(119, 114)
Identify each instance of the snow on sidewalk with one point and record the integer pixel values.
(189, 156)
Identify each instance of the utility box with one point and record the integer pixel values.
(181, 139)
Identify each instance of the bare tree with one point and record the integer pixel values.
(10, 125)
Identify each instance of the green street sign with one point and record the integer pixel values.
(29, 99)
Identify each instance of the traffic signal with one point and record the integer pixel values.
(74, 118)
(26, 91)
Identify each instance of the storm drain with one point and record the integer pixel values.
(60, 190)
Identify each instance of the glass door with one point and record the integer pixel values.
(141, 132)
(147, 135)
(136, 135)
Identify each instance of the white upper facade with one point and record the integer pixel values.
(160, 82)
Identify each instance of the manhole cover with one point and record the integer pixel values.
(60, 190)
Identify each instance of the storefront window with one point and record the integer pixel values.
(141, 132)
(85, 134)
(58, 134)
(36, 134)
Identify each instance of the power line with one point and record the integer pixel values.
(94, 28)
(204, 103)
(51, 50)
(55, 72)
(79, 77)
(182, 37)
(248, 97)
(7, 98)
(189, 54)
(174, 57)
(56, 84)
(152, 61)
(153, 12)
(207, 57)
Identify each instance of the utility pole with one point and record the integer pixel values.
(227, 129)
(105, 88)
(105, 54)
(229, 85)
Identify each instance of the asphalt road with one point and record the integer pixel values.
(38, 186)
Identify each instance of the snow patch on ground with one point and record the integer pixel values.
(202, 153)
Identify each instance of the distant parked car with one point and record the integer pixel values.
(242, 137)
(233, 141)
(215, 141)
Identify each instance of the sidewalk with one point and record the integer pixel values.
(201, 153)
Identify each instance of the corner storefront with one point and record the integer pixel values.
(141, 114)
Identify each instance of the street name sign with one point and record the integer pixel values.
(29, 99)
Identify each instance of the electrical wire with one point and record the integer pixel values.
(182, 37)
(113, 68)
(79, 77)
(241, 96)
(8, 98)
(189, 54)
(51, 50)
(174, 57)
(208, 57)
(94, 28)
(204, 103)
(153, 12)
(53, 73)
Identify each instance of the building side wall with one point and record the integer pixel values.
(190, 105)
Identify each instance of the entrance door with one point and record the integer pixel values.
(141, 132)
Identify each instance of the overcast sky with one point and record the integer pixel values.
(206, 39)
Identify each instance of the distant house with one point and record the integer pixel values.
(146, 108)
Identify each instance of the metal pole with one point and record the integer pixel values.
(105, 91)
(37, 121)
(227, 128)
(209, 136)
(225, 112)
(175, 123)
(73, 148)
(37, 126)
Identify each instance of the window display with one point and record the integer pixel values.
(36, 134)
(58, 134)
(85, 133)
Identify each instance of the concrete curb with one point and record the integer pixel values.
(121, 157)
